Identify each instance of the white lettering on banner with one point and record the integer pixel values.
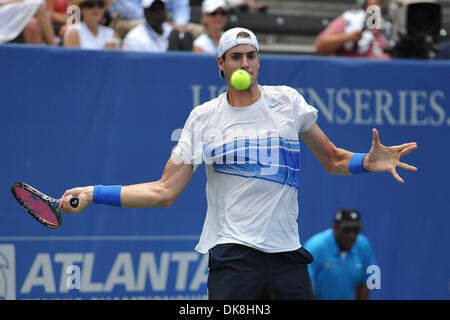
(379, 107)
(86, 284)
(77, 270)
(42, 264)
(363, 106)
(7, 272)
(122, 273)
(383, 103)
(67, 260)
(183, 259)
(148, 265)
(200, 276)
(214, 91)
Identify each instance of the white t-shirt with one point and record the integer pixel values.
(205, 43)
(95, 42)
(144, 38)
(14, 17)
(252, 158)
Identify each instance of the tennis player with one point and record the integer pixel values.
(249, 141)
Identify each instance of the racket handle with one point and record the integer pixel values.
(74, 202)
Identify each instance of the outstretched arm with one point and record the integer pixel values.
(336, 160)
(163, 192)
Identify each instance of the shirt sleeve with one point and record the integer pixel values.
(335, 27)
(305, 115)
(132, 43)
(189, 147)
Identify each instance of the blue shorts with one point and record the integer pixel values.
(239, 272)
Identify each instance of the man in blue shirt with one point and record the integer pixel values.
(341, 257)
(128, 14)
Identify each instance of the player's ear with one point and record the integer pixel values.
(220, 63)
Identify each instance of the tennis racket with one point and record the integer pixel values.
(43, 208)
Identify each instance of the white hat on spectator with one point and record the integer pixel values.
(147, 3)
(209, 6)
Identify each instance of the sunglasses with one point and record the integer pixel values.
(93, 4)
(349, 230)
(215, 13)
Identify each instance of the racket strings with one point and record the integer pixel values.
(36, 206)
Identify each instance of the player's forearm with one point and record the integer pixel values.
(337, 161)
(151, 194)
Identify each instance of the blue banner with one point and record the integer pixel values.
(73, 118)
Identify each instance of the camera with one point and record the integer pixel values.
(416, 28)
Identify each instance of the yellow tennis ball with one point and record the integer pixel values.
(240, 79)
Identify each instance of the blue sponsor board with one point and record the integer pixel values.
(103, 268)
(72, 118)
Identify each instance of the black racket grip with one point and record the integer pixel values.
(74, 202)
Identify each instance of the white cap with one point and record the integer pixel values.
(147, 3)
(209, 6)
(229, 40)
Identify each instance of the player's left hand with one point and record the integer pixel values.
(387, 159)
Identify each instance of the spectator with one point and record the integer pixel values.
(153, 34)
(90, 34)
(245, 5)
(348, 35)
(58, 12)
(180, 14)
(31, 20)
(214, 18)
(126, 15)
(443, 51)
(341, 257)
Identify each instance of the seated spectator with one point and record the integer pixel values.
(126, 15)
(214, 18)
(25, 18)
(443, 51)
(58, 12)
(153, 34)
(90, 34)
(246, 5)
(179, 12)
(348, 35)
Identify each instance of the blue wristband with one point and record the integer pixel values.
(109, 195)
(355, 165)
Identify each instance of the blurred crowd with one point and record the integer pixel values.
(165, 25)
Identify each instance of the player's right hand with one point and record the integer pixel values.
(84, 195)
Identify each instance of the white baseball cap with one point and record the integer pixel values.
(147, 3)
(229, 40)
(209, 6)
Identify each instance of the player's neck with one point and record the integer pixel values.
(243, 98)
